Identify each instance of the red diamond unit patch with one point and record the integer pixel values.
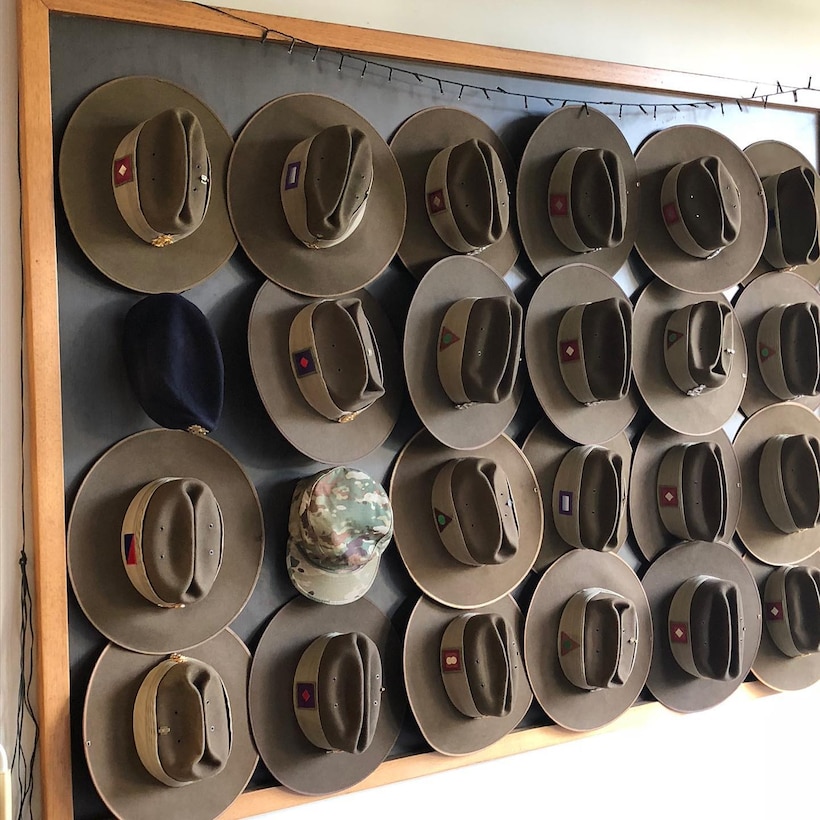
(668, 496)
(559, 205)
(678, 632)
(670, 214)
(451, 660)
(123, 170)
(435, 201)
(569, 350)
(305, 696)
(774, 611)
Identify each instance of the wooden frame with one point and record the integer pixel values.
(42, 332)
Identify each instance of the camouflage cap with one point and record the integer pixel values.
(340, 523)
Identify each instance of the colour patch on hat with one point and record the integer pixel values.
(304, 362)
(670, 213)
(123, 170)
(668, 496)
(435, 201)
(447, 338)
(451, 660)
(774, 611)
(678, 632)
(672, 336)
(129, 548)
(292, 175)
(306, 695)
(570, 350)
(559, 205)
(565, 502)
(567, 644)
(765, 352)
(442, 520)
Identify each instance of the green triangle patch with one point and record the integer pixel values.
(765, 352)
(672, 336)
(442, 520)
(447, 338)
(567, 644)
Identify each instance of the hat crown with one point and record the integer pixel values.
(191, 713)
(788, 350)
(799, 604)
(174, 362)
(479, 349)
(792, 237)
(341, 519)
(789, 476)
(338, 178)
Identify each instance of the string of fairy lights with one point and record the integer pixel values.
(453, 87)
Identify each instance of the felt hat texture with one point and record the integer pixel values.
(89, 180)
(263, 157)
(99, 551)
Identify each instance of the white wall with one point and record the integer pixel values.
(755, 759)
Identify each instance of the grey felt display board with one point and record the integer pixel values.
(235, 78)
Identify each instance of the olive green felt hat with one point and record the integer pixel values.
(579, 346)
(468, 524)
(293, 167)
(459, 178)
(578, 195)
(689, 358)
(778, 449)
(328, 371)
(464, 673)
(703, 213)
(462, 346)
(587, 639)
(792, 191)
(789, 654)
(165, 541)
(115, 204)
(310, 743)
(683, 488)
(584, 492)
(780, 316)
(170, 737)
(707, 617)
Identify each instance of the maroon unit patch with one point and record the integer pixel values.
(559, 204)
(447, 338)
(304, 363)
(442, 520)
(672, 336)
(451, 660)
(567, 644)
(678, 632)
(668, 496)
(123, 170)
(765, 351)
(774, 611)
(435, 201)
(569, 350)
(670, 213)
(305, 696)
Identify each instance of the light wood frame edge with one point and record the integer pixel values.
(43, 396)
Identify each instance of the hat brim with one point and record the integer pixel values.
(259, 219)
(571, 285)
(658, 155)
(443, 726)
(290, 757)
(329, 442)
(671, 685)
(91, 138)
(570, 127)
(755, 529)
(771, 157)
(545, 450)
(95, 566)
(573, 708)
(771, 666)
(693, 415)
(415, 144)
(123, 783)
(434, 570)
(647, 527)
(765, 292)
(470, 427)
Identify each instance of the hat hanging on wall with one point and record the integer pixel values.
(339, 525)
(584, 491)
(169, 737)
(577, 196)
(316, 734)
(778, 449)
(707, 618)
(459, 180)
(703, 213)
(142, 177)
(683, 488)
(464, 673)
(468, 524)
(780, 316)
(174, 363)
(337, 216)
(587, 639)
(328, 372)
(165, 541)
(462, 346)
(789, 654)
(792, 190)
(578, 339)
(689, 358)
